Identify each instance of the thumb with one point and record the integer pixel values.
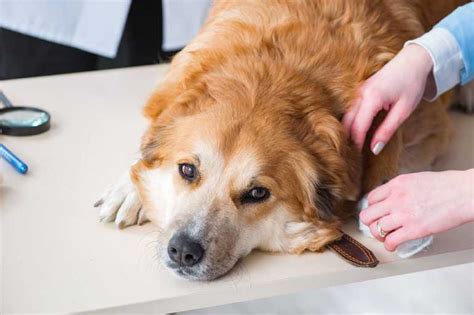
(350, 115)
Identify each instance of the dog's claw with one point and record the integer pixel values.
(106, 218)
(142, 219)
(98, 203)
(121, 225)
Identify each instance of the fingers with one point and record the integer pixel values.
(349, 117)
(396, 116)
(389, 224)
(375, 231)
(373, 213)
(394, 239)
(378, 194)
(363, 121)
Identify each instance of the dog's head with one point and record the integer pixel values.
(227, 168)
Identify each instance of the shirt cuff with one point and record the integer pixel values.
(447, 61)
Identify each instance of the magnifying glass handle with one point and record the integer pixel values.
(5, 100)
(13, 160)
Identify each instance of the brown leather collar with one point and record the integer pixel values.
(353, 252)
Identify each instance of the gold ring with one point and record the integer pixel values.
(382, 233)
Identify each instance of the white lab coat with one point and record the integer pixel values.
(182, 20)
(96, 26)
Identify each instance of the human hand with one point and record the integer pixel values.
(416, 205)
(396, 88)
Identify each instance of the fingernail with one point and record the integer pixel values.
(378, 147)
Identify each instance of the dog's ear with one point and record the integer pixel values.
(337, 162)
(173, 97)
(184, 80)
(151, 141)
(160, 127)
(324, 202)
(177, 96)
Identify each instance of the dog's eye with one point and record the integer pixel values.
(187, 171)
(256, 194)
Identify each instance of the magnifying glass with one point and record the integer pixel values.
(22, 120)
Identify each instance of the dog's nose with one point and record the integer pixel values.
(184, 251)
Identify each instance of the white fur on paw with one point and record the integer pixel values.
(121, 204)
(142, 218)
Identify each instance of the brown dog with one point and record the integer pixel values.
(245, 147)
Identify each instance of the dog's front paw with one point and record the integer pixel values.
(121, 204)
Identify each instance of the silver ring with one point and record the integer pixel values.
(382, 233)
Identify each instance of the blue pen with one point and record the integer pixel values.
(14, 161)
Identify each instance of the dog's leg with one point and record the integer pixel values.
(426, 136)
(121, 204)
(422, 156)
(413, 148)
(378, 169)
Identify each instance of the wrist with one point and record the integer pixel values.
(464, 203)
(420, 57)
(468, 181)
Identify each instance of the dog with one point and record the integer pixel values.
(245, 148)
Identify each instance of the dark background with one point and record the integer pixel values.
(25, 56)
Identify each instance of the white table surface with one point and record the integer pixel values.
(57, 257)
